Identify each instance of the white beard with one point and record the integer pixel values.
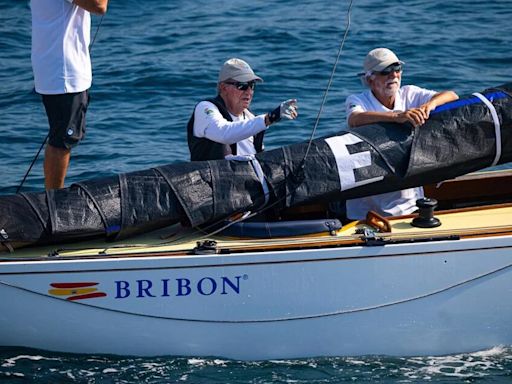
(393, 89)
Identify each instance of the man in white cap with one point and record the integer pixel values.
(387, 101)
(223, 125)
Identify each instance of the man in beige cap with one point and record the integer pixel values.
(223, 125)
(387, 101)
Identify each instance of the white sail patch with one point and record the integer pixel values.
(348, 162)
(497, 126)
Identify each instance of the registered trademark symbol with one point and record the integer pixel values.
(245, 277)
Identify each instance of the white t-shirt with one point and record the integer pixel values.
(60, 47)
(210, 124)
(397, 202)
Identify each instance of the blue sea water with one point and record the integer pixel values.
(154, 60)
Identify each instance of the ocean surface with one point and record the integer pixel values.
(154, 60)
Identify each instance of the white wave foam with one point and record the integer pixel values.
(203, 362)
(476, 364)
(11, 362)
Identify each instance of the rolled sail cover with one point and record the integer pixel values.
(466, 135)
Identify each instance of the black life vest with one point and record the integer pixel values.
(202, 148)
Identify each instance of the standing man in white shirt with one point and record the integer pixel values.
(223, 125)
(387, 101)
(61, 63)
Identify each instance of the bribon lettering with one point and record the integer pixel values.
(178, 287)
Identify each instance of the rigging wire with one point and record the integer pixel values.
(326, 92)
(47, 136)
(213, 228)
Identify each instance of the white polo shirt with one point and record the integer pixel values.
(60, 47)
(397, 202)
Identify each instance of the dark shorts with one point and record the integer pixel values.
(66, 116)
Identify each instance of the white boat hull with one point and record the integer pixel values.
(427, 298)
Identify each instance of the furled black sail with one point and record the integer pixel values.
(460, 137)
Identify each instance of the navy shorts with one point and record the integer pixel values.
(66, 116)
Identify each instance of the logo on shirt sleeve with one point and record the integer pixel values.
(208, 111)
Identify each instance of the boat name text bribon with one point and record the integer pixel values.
(205, 286)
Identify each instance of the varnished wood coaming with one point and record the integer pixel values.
(491, 187)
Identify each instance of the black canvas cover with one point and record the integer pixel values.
(459, 137)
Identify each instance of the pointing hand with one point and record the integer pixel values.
(287, 109)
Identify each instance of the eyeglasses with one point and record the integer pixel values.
(242, 86)
(389, 69)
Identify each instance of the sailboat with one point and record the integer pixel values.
(163, 262)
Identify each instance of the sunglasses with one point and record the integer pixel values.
(390, 69)
(242, 86)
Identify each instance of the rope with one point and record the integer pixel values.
(96, 33)
(32, 164)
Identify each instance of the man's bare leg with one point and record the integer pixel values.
(56, 161)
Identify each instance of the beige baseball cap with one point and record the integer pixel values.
(378, 59)
(237, 70)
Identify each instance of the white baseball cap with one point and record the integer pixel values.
(237, 70)
(378, 59)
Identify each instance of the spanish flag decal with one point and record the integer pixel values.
(76, 291)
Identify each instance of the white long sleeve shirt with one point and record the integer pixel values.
(210, 124)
